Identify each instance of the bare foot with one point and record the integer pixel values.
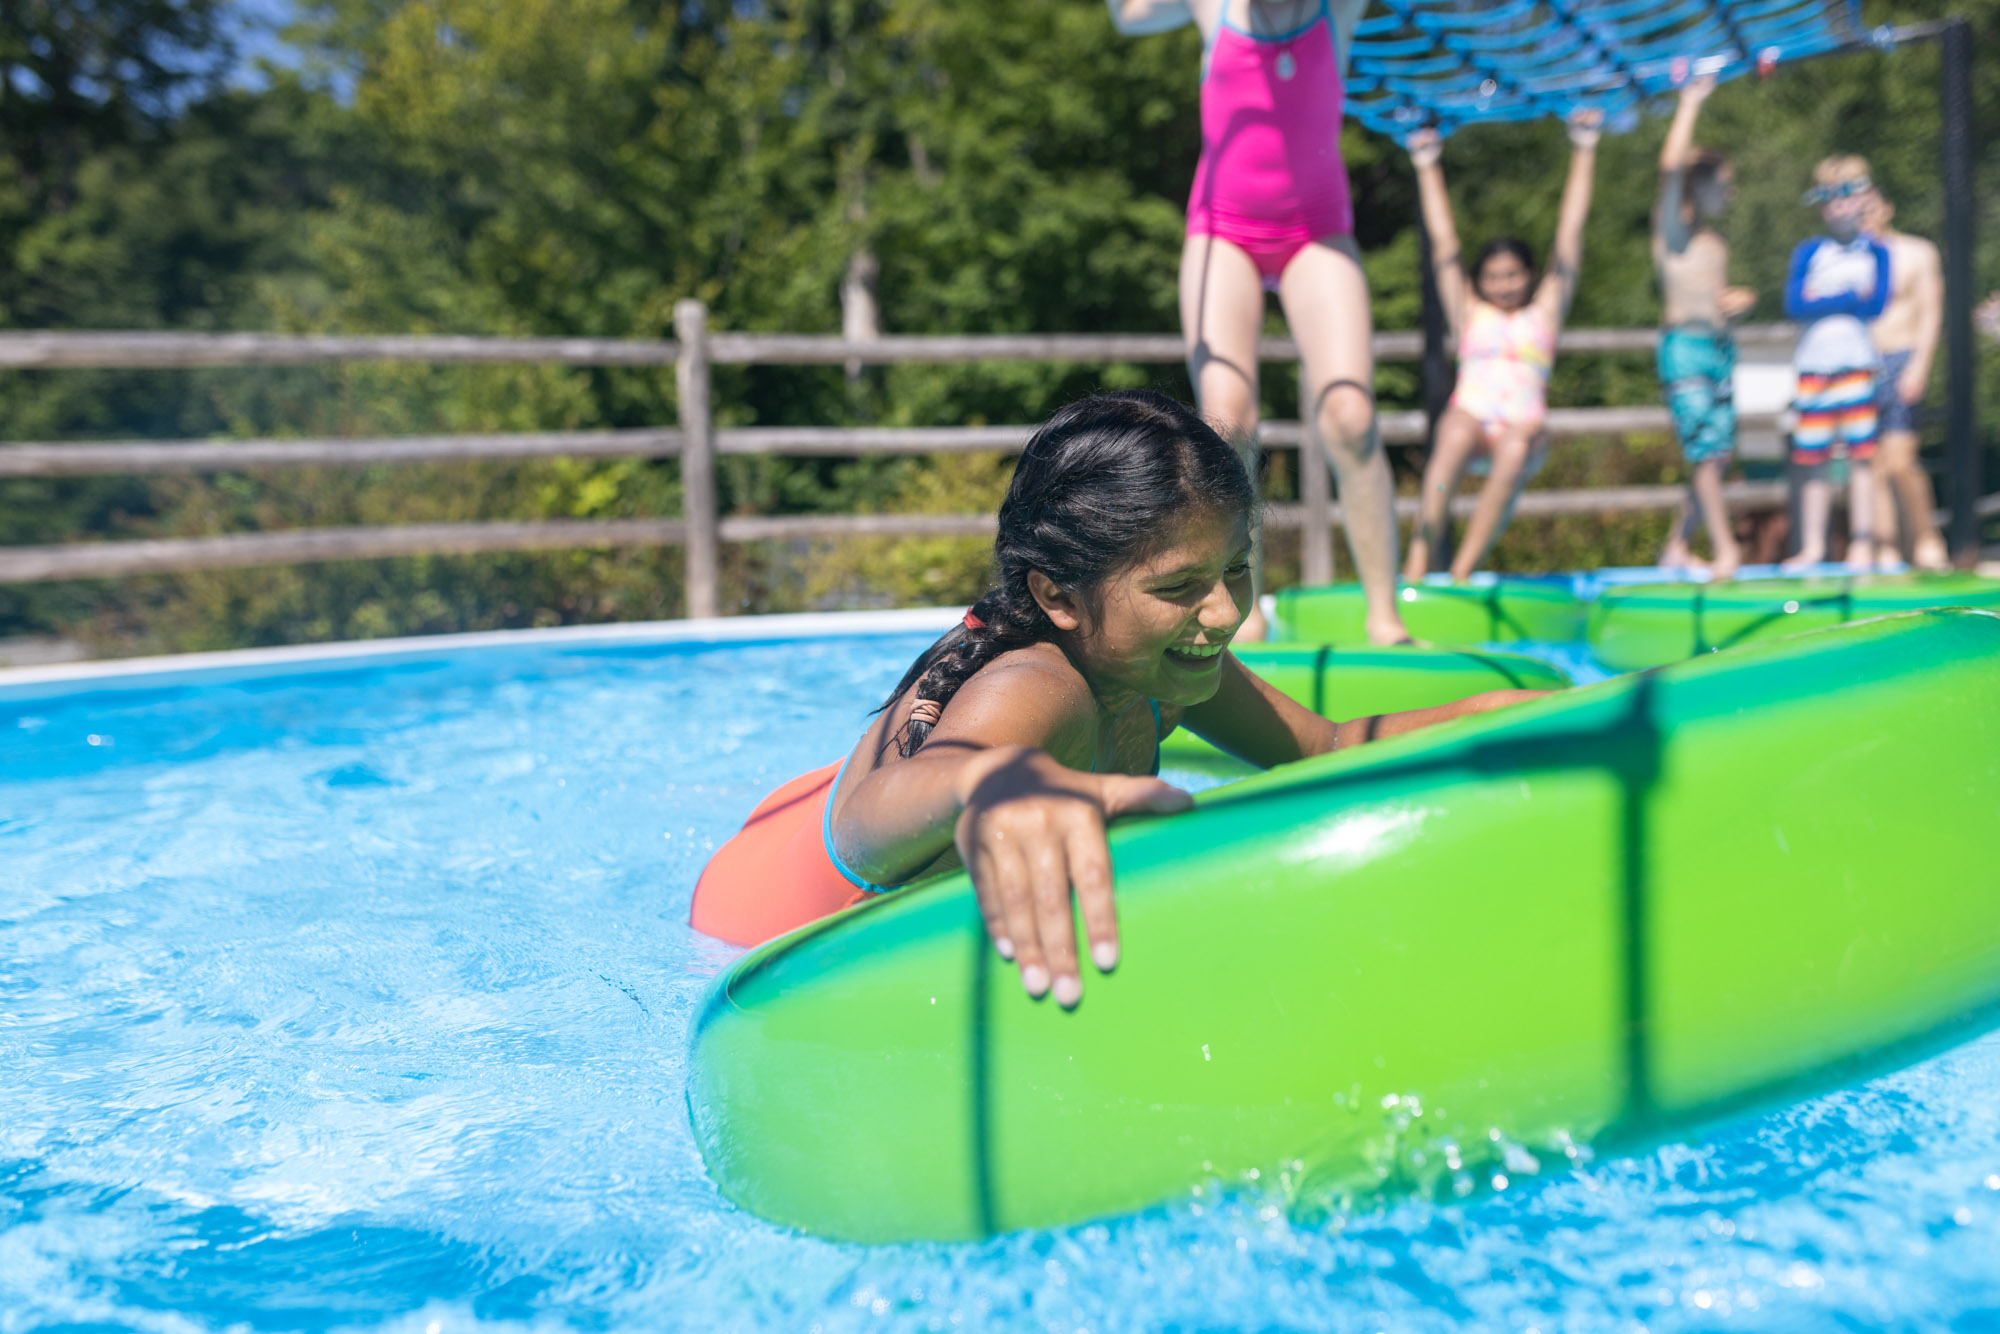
(1802, 562)
(1678, 556)
(1385, 633)
(1417, 563)
(1255, 629)
(1860, 556)
(1931, 557)
(1728, 558)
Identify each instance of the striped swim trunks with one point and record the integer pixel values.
(1836, 411)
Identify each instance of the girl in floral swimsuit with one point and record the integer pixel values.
(1506, 324)
(1270, 211)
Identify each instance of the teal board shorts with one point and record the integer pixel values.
(1697, 364)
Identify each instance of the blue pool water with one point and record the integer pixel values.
(355, 998)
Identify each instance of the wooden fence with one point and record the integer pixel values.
(696, 442)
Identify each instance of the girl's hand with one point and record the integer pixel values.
(1031, 834)
(1736, 302)
(1987, 316)
(1426, 148)
(1586, 126)
(1697, 90)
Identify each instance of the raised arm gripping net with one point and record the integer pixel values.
(1451, 62)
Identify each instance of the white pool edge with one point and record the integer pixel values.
(17, 683)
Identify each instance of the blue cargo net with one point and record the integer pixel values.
(1450, 62)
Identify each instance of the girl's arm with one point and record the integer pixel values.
(1426, 148)
(1251, 719)
(1566, 255)
(1029, 828)
(1670, 228)
(1136, 18)
(1346, 15)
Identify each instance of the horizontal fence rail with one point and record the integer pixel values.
(103, 560)
(697, 440)
(188, 351)
(97, 458)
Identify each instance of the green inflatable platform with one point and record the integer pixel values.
(1352, 682)
(1644, 625)
(1492, 611)
(1414, 966)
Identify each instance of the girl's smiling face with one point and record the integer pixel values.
(1504, 281)
(1157, 627)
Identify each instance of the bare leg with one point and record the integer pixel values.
(1222, 313)
(1708, 494)
(1677, 553)
(1888, 531)
(1815, 509)
(1496, 498)
(1326, 303)
(1905, 481)
(1458, 436)
(1860, 515)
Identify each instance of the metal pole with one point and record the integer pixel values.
(1962, 432)
(704, 538)
(1436, 366)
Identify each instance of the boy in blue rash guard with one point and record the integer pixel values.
(1838, 282)
(1697, 360)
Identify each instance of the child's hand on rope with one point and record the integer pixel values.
(1696, 90)
(1586, 126)
(1426, 147)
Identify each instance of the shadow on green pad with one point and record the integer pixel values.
(1495, 611)
(1645, 625)
(1353, 682)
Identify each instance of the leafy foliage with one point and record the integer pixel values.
(577, 166)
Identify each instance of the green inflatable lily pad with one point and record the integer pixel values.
(1353, 682)
(1414, 966)
(1495, 611)
(1645, 625)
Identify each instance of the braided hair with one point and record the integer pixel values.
(1097, 489)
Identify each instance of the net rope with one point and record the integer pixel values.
(1453, 62)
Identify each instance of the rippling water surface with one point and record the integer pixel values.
(357, 999)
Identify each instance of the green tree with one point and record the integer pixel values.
(577, 166)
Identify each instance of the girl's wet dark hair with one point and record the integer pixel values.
(1098, 488)
(1502, 245)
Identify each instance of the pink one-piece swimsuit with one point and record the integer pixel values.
(1271, 178)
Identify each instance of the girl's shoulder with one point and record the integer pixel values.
(1033, 693)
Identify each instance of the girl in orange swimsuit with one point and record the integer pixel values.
(1506, 324)
(1124, 560)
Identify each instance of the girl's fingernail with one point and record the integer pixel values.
(1068, 991)
(1005, 946)
(1036, 979)
(1105, 955)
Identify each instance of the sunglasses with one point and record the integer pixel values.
(1821, 194)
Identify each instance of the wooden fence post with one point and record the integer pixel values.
(1316, 495)
(698, 501)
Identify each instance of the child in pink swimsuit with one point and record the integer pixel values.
(1271, 179)
(1270, 211)
(1506, 322)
